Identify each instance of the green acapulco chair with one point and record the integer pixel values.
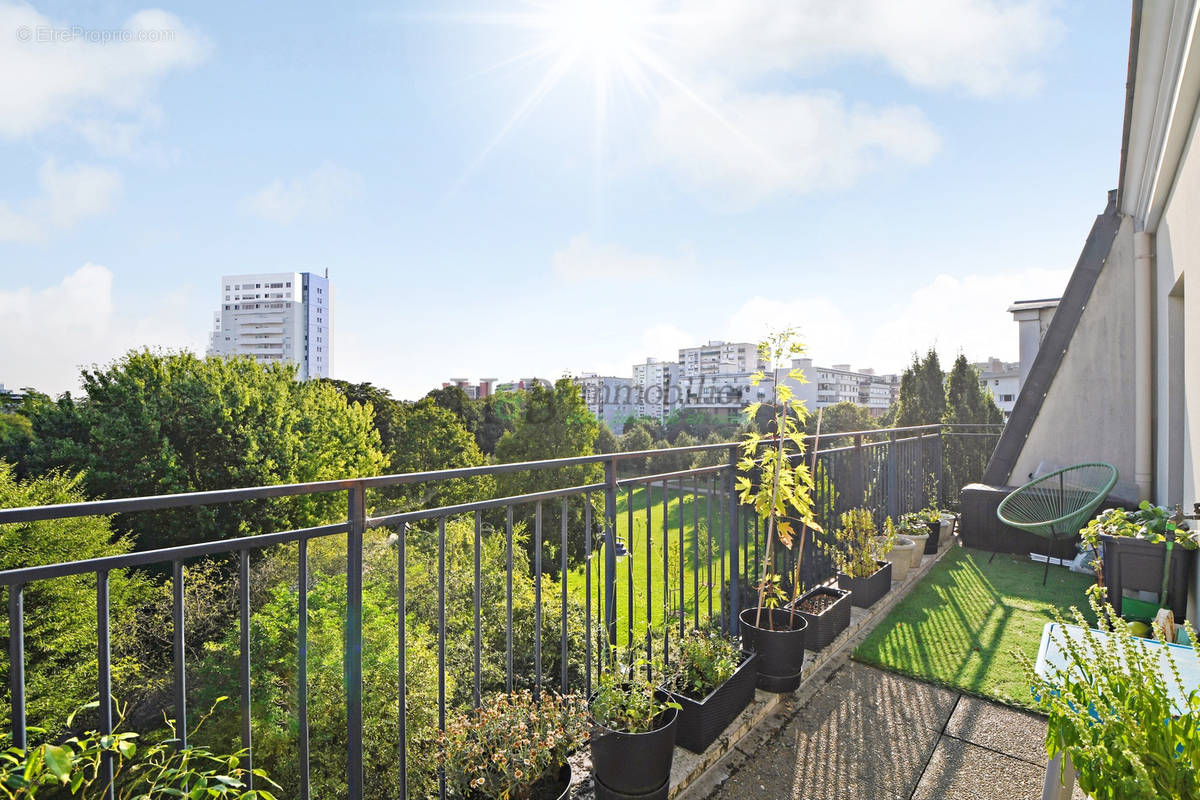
(1056, 505)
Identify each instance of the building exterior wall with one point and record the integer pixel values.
(609, 398)
(276, 317)
(1088, 411)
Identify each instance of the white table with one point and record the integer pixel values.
(1051, 657)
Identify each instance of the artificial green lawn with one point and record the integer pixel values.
(961, 624)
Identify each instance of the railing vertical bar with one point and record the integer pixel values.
(477, 640)
(302, 670)
(711, 483)
(562, 584)
(16, 661)
(648, 491)
(104, 675)
(244, 659)
(893, 501)
(178, 637)
(356, 508)
(508, 599)
(442, 644)
(610, 552)
(696, 551)
(682, 602)
(629, 566)
(402, 652)
(537, 601)
(666, 569)
(735, 583)
(587, 594)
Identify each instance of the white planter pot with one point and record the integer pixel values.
(946, 537)
(901, 557)
(919, 551)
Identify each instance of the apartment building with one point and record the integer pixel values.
(718, 357)
(656, 388)
(1003, 380)
(277, 317)
(609, 398)
(475, 391)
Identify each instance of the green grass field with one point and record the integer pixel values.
(694, 514)
(962, 624)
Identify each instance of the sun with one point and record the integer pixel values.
(608, 33)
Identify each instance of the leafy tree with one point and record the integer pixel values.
(498, 415)
(840, 418)
(455, 400)
(922, 392)
(156, 423)
(16, 438)
(60, 614)
(428, 437)
(606, 440)
(967, 403)
(554, 423)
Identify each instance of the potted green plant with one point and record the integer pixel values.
(634, 724)
(1120, 710)
(513, 746)
(901, 551)
(1144, 550)
(713, 682)
(913, 526)
(774, 480)
(932, 518)
(826, 609)
(853, 550)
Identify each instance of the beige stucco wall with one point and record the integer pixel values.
(1088, 413)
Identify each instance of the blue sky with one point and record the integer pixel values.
(883, 178)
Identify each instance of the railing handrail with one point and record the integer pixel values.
(213, 496)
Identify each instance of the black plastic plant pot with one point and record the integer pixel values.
(864, 592)
(824, 627)
(634, 764)
(935, 534)
(779, 644)
(1138, 565)
(702, 721)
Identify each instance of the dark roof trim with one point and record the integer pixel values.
(1054, 345)
(1135, 34)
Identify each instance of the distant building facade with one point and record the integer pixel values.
(1003, 380)
(609, 398)
(277, 317)
(839, 383)
(719, 358)
(656, 388)
(475, 391)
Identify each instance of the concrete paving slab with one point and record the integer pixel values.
(1019, 734)
(867, 734)
(962, 771)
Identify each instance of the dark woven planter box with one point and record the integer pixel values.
(864, 592)
(823, 628)
(935, 534)
(702, 721)
(1137, 565)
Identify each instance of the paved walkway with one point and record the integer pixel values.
(872, 735)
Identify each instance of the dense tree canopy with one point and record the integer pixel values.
(155, 423)
(922, 392)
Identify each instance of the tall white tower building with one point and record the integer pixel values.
(277, 317)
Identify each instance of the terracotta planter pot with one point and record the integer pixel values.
(901, 556)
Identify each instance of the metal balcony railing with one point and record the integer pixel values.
(890, 471)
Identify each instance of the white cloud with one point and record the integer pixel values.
(315, 195)
(983, 47)
(51, 73)
(583, 260)
(68, 194)
(956, 314)
(766, 144)
(47, 334)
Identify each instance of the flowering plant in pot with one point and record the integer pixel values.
(780, 496)
(514, 746)
(713, 682)
(634, 724)
(901, 551)
(853, 551)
